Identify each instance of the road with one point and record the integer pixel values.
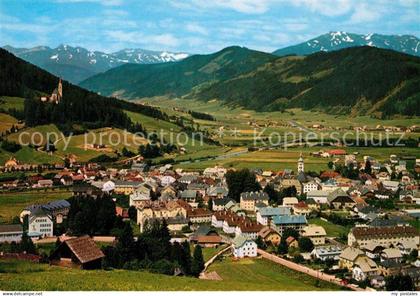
(309, 271)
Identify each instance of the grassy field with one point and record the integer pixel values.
(247, 274)
(331, 228)
(6, 122)
(234, 115)
(210, 252)
(11, 204)
(7, 103)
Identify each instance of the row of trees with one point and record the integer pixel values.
(153, 251)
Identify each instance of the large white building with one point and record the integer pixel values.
(244, 247)
(40, 224)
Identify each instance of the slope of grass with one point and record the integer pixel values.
(6, 122)
(244, 275)
(331, 228)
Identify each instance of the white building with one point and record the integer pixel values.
(11, 233)
(290, 201)
(140, 195)
(244, 247)
(391, 185)
(40, 224)
(310, 186)
(319, 196)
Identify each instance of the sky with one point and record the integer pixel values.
(197, 26)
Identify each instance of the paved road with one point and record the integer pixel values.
(309, 271)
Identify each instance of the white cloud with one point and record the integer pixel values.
(243, 6)
(196, 28)
(364, 13)
(159, 41)
(326, 7)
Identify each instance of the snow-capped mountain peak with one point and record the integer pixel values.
(336, 40)
(83, 63)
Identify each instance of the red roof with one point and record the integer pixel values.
(337, 152)
(119, 211)
(329, 174)
(212, 239)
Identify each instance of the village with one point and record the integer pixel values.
(288, 217)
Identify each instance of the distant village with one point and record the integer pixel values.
(284, 216)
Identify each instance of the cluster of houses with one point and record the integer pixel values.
(197, 207)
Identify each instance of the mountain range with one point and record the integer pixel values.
(357, 80)
(338, 40)
(77, 63)
(361, 80)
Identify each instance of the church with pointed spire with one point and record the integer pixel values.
(56, 95)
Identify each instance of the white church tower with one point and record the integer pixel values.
(301, 164)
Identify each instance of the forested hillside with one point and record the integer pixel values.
(176, 78)
(362, 80)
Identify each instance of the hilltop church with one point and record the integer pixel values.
(56, 95)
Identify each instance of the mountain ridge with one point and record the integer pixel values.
(77, 63)
(176, 78)
(335, 40)
(361, 80)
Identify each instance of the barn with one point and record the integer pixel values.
(80, 252)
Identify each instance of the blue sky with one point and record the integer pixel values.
(197, 26)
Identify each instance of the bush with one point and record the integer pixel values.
(10, 146)
(163, 266)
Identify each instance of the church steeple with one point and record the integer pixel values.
(301, 164)
(60, 90)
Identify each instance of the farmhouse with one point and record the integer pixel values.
(81, 252)
(269, 235)
(320, 196)
(339, 199)
(315, 233)
(244, 247)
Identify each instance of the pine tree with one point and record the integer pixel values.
(186, 258)
(197, 265)
(26, 244)
(282, 248)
